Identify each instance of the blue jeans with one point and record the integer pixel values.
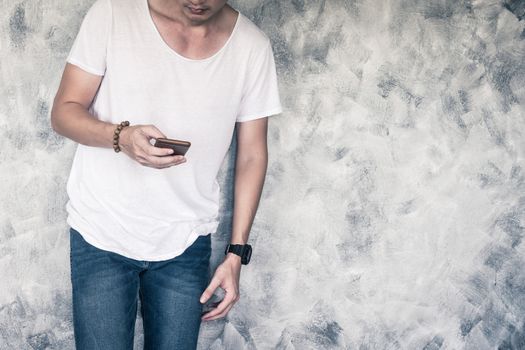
(106, 287)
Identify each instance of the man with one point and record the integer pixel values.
(141, 218)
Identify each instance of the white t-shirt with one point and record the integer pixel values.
(144, 213)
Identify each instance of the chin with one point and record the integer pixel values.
(198, 18)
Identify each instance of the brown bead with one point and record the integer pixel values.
(117, 131)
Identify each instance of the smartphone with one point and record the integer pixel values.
(180, 147)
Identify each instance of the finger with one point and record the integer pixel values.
(208, 292)
(161, 162)
(152, 131)
(178, 160)
(208, 317)
(225, 303)
(149, 149)
(165, 155)
(159, 151)
(161, 166)
(225, 312)
(209, 307)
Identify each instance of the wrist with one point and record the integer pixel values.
(233, 258)
(237, 242)
(109, 129)
(122, 135)
(116, 135)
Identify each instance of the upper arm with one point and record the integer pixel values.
(260, 92)
(252, 138)
(76, 86)
(86, 62)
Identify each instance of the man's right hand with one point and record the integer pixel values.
(70, 118)
(134, 140)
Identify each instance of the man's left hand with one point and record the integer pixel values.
(226, 276)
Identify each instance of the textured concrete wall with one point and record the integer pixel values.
(394, 209)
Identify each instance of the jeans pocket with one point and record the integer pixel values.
(199, 252)
(201, 244)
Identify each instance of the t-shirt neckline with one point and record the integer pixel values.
(175, 53)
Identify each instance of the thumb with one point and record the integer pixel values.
(151, 131)
(215, 282)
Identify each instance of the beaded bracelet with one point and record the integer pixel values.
(117, 134)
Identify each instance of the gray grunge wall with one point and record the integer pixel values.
(393, 212)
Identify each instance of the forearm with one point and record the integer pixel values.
(72, 120)
(249, 180)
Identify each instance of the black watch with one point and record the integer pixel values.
(242, 250)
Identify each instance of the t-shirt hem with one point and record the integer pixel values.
(254, 116)
(166, 256)
(85, 67)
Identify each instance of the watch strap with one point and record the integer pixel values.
(235, 249)
(242, 250)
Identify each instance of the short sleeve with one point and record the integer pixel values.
(90, 45)
(261, 94)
